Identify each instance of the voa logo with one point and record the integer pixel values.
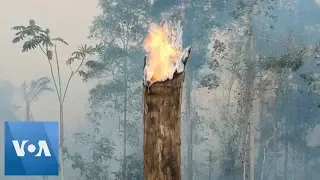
(31, 148)
(43, 147)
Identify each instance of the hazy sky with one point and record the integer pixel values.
(68, 19)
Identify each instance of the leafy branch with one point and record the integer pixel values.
(33, 37)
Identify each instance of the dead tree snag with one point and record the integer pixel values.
(162, 118)
(163, 78)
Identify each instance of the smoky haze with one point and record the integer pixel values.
(251, 101)
(20, 67)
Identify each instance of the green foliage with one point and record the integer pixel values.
(36, 87)
(161, 6)
(196, 32)
(244, 7)
(32, 91)
(134, 168)
(292, 60)
(313, 81)
(312, 78)
(34, 37)
(294, 106)
(93, 166)
(120, 28)
(80, 55)
(309, 77)
(60, 40)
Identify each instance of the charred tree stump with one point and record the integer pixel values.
(162, 118)
(162, 114)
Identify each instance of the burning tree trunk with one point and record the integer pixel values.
(163, 79)
(162, 103)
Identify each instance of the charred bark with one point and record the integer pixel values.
(162, 118)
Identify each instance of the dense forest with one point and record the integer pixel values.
(251, 101)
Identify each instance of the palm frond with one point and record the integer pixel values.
(94, 64)
(39, 91)
(99, 48)
(31, 44)
(32, 87)
(18, 33)
(17, 39)
(70, 61)
(18, 28)
(29, 31)
(83, 74)
(38, 86)
(43, 81)
(46, 40)
(78, 54)
(60, 40)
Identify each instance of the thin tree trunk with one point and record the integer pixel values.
(276, 149)
(244, 166)
(251, 73)
(124, 165)
(190, 150)
(119, 120)
(294, 161)
(210, 164)
(58, 69)
(305, 158)
(162, 117)
(190, 125)
(286, 120)
(195, 168)
(28, 111)
(61, 101)
(305, 164)
(248, 100)
(262, 145)
(188, 29)
(285, 165)
(252, 148)
(61, 144)
(263, 161)
(265, 155)
(248, 93)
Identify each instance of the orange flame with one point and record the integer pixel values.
(162, 53)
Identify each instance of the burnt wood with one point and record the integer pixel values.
(162, 118)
